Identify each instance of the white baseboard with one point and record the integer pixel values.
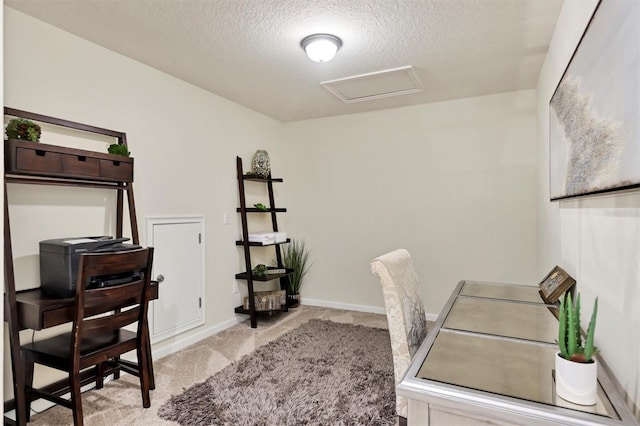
(181, 343)
(344, 306)
(351, 307)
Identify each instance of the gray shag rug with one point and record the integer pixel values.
(321, 373)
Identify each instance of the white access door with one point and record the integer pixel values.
(178, 265)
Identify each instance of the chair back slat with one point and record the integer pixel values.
(111, 322)
(115, 263)
(107, 298)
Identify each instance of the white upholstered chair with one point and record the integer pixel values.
(405, 312)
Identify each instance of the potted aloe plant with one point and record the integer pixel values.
(576, 369)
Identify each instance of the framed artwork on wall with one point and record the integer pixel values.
(555, 284)
(594, 113)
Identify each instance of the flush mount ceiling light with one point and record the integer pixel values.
(321, 47)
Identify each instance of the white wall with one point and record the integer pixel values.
(594, 239)
(453, 182)
(184, 141)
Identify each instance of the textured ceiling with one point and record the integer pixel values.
(249, 50)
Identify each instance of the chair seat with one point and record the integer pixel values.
(55, 351)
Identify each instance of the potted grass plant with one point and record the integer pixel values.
(295, 256)
(576, 369)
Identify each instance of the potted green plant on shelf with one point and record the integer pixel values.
(576, 369)
(295, 256)
(118, 149)
(23, 129)
(260, 271)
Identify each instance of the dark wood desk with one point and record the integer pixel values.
(37, 311)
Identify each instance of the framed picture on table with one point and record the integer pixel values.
(555, 284)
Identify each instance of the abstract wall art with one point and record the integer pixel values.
(594, 113)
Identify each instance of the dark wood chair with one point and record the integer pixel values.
(97, 338)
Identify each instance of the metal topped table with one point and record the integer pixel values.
(491, 355)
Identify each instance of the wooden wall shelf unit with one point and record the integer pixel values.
(41, 164)
(246, 244)
(38, 159)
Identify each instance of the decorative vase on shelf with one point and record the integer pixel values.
(260, 164)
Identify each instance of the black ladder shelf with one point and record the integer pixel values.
(246, 244)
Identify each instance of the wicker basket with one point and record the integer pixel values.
(267, 300)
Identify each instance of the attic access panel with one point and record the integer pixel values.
(375, 85)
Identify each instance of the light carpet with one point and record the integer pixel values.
(119, 402)
(320, 373)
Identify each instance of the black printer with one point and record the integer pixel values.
(59, 259)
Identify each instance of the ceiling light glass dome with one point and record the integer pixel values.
(321, 47)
